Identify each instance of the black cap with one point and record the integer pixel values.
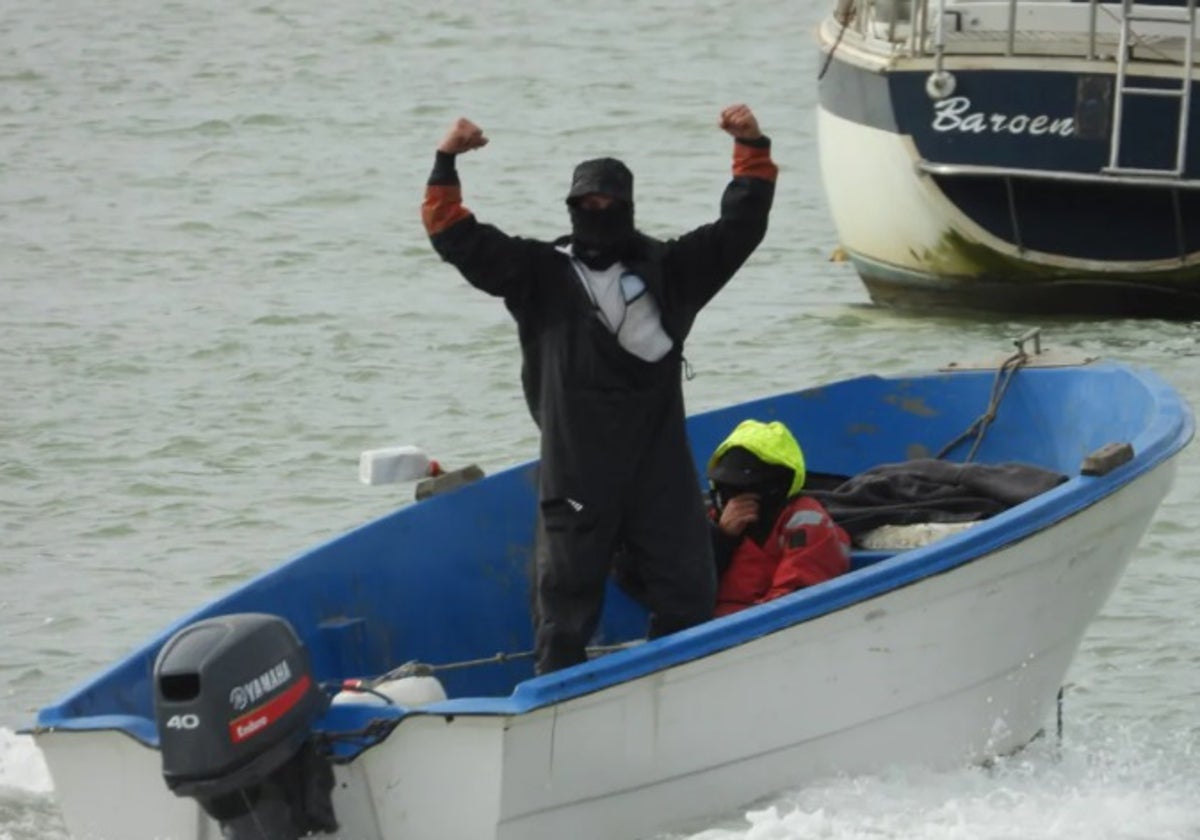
(606, 176)
(738, 467)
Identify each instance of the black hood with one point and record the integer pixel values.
(606, 176)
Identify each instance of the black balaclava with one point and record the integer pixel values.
(601, 237)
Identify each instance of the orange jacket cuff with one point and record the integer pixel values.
(753, 162)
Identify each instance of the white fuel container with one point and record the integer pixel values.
(410, 692)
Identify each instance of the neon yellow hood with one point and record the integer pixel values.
(771, 443)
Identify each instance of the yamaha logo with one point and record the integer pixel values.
(243, 695)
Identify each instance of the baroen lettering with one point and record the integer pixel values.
(955, 114)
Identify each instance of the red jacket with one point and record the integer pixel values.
(805, 547)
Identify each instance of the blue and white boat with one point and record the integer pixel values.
(1038, 156)
(417, 625)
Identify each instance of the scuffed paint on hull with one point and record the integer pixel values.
(1030, 288)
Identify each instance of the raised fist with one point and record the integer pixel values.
(463, 136)
(738, 121)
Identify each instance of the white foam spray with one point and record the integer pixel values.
(22, 766)
(1116, 785)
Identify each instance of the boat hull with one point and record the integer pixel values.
(955, 668)
(995, 195)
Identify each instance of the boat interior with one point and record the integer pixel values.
(444, 581)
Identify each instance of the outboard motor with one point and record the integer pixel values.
(234, 701)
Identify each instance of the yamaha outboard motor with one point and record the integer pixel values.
(234, 700)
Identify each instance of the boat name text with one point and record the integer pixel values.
(955, 114)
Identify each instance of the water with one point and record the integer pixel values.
(216, 292)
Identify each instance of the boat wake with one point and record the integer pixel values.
(22, 768)
(27, 807)
(1102, 784)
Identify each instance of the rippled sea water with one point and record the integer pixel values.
(215, 292)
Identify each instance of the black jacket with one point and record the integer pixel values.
(541, 291)
(599, 407)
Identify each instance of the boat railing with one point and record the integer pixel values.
(1091, 30)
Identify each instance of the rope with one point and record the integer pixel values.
(836, 42)
(1004, 375)
(413, 668)
(370, 735)
(424, 669)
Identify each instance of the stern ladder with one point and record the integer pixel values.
(1130, 14)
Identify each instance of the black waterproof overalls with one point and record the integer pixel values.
(616, 469)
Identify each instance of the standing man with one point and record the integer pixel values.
(602, 315)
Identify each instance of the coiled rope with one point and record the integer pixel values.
(1003, 378)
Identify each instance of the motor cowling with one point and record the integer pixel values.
(234, 703)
